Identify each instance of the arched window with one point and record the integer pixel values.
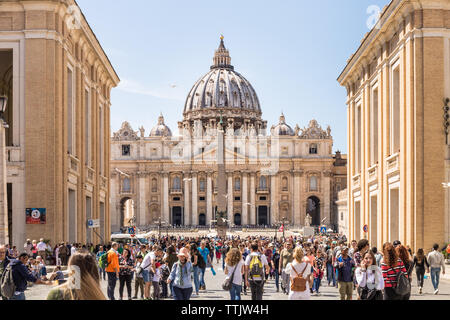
(313, 183)
(154, 185)
(126, 186)
(237, 184)
(313, 149)
(263, 183)
(176, 183)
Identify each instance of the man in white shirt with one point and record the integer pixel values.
(147, 266)
(436, 262)
(253, 280)
(41, 247)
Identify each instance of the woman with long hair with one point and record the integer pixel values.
(234, 269)
(194, 259)
(181, 276)
(369, 278)
(84, 280)
(300, 268)
(391, 266)
(420, 261)
(126, 268)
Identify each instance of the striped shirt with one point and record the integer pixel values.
(390, 274)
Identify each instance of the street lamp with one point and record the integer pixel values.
(3, 208)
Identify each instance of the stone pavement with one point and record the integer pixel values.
(215, 292)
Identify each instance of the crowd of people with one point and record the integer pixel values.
(174, 268)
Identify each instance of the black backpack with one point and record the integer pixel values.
(403, 285)
(200, 261)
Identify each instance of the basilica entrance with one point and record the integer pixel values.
(202, 220)
(177, 216)
(263, 216)
(237, 219)
(313, 209)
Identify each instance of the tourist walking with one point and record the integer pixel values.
(255, 264)
(286, 257)
(234, 269)
(181, 276)
(126, 264)
(369, 278)
(437, 264)
(299, 272)
(421, 263)
(345, 265)
(204, 252)
(112, 270)
(392, 266)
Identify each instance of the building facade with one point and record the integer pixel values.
(58, 80)
(270, 178)
(398, 150)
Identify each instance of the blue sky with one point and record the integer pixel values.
(292, 51)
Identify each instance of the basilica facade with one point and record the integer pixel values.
(273, 175)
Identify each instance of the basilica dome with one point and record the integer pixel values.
(282, 129)
(222, 88)
(161, 130)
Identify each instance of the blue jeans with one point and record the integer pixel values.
(277, 279)
(182, 294)
(235, 292)
(435, 274)
(223, 261)
(102, 271)
(316, 284)
(202, 277)
(196, 279)
(331, 275)
(20, 296)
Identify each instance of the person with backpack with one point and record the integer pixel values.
(299, 272)
(112, 269)
(255, 265)
(345, 266)
(404, 255)
(139, 281)
(15, 279)
(101, 270)
(395, 275)
(126, 264)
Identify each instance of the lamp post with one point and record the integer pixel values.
(4, 232)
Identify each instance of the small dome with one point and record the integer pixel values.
(282, 129)
(161, 130)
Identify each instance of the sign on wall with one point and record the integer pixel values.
(92, 224)
(36, 215)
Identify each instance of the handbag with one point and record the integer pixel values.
(369, 292)
(228, 282)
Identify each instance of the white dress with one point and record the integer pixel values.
(297, 295)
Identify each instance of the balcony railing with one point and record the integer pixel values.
(262, 190)
(176, 191)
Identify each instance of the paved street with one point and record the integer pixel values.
(215, 292)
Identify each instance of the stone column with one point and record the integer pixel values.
(297, 199)
(245, 205)
(327, 197)
(230, 199)
(209, 195)
(273, 200)
(166, 208)
(187, 211)
(140, 217)
(252, 200)
(4, 232)
(194, 199)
